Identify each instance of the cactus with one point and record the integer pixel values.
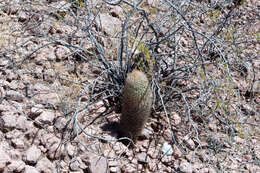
(136, 105)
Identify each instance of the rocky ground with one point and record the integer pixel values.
(43, 85)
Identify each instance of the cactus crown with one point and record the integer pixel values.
(137, 83)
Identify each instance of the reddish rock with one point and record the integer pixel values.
(119, 147)
(248, 157)
(167, 160)
(190, 156)
(153, 152)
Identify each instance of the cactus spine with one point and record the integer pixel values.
(136, 105)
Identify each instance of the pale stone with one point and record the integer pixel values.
(32, 154)
(16, 166)
(18, 143)
(4, 159)
(45, 166)
(143, 158)
(109, 24)
(185, 166)
(46, 117)
(14, 95)
(30, 169)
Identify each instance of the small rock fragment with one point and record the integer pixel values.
(177, 152)
(51, 56)
(71, 150)
(36, 110)
(143, 158)
(55, 151)
(167, 149)
(176, 118)
(185, 166)
(61, 52)
(189, 142)
(16, 166)
(3, 62)
(22, 123)
(22, 16)
(212, 126)
(11, 9)
(8, 120)
(60, 123)
(18, 143)
(49, 139)
(77, 164)
(46, 117)
(108, 23)
(32, 154)
(239, 140)
(15, 154)
(45, 166)
(2, 92)
(98, 164)
(14, 134)
(14, 95)
(30, 169)
(4, 159)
